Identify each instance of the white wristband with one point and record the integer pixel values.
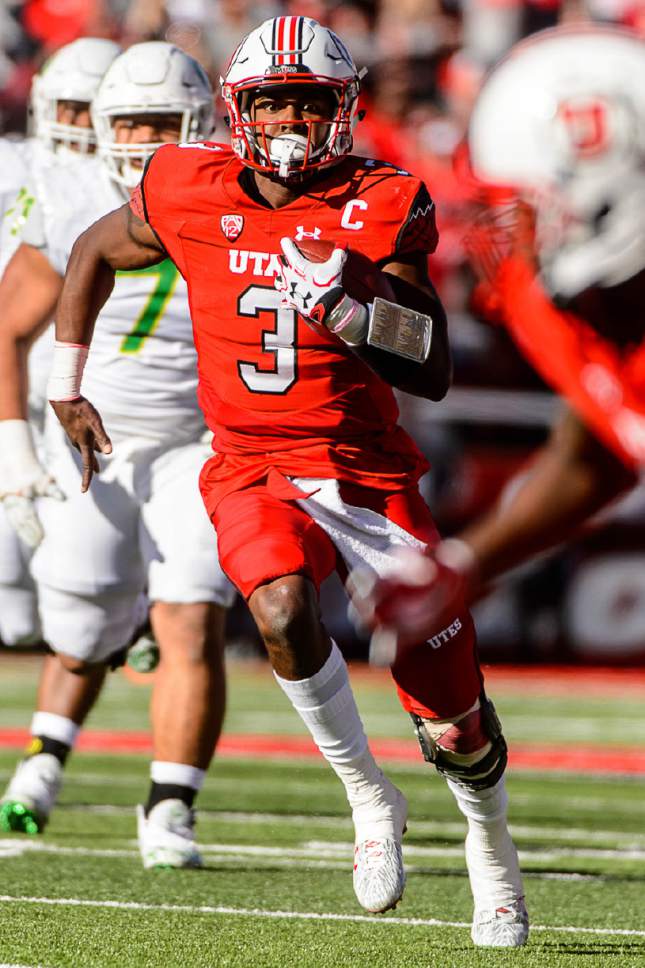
(66, 373)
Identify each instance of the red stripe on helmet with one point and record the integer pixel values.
(280, 44)
(292, 38)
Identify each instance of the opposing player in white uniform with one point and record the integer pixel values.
(144, 526)
(62, 128)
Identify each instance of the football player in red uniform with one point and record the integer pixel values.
(557, 138)
(297, 360)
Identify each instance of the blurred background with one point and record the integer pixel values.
(426, 61)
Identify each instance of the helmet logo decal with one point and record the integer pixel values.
(586, 125)
(341, 52)
(232, 226)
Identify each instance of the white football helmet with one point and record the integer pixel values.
(73, 73)
(561, 121)
(291, 50)
(150, 78)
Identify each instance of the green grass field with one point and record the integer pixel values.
(276, 838)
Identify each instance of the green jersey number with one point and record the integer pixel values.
(20, 211)
(147, 321)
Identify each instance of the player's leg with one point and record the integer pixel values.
(85, 633)
(460, 734)
(190, 595)
(441, 686)
(187, 711)
(87, 617)
(64, 700)
(19, 622)
(278, 557)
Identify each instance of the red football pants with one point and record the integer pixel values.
(262, 537)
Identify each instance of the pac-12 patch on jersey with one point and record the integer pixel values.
(232, 226)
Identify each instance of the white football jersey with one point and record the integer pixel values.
(141, 373)
(15, 167)
(21, 164)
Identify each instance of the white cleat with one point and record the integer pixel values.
(504, 927)
(31, 794)
(166, 836)
(379, 874)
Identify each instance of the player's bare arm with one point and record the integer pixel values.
(573, 477)
(29, 290)
(119, 240)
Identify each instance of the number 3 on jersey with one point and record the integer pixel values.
(279, 340)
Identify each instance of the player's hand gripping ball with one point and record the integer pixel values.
(330, 285)
(312, 287)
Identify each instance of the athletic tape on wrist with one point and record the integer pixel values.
(17, 443)
(65, 377)
(349, 320)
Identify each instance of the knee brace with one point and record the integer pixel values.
(470, 748)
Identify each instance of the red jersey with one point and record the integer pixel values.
(604, 385)
(277, 392)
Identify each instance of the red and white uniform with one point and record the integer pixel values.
(603, 383)
(311, 468)
(277, 393)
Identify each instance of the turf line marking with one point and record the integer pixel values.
(316, 854)
(294, 915)
(448, 827)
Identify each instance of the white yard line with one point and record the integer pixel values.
(431, 827)
(315, 853)
(295, 915)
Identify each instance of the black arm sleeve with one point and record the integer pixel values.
(429, 380)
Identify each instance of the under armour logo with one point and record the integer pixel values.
(301, 234)
(298, 296)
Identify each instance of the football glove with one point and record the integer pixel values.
(314, 289)
(22, 480)
(407, 607)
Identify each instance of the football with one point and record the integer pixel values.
(362, 278)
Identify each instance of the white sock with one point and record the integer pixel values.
(181, 774)
(327, 706)
(493, 866)
(57, 727)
